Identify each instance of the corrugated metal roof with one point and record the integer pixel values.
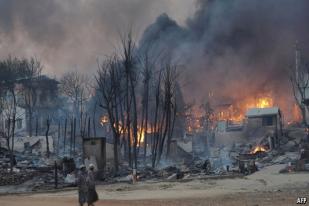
(257, 112)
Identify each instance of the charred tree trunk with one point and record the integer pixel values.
(156, 129)
(46, 135)
(30, 121)
(64, 135)
(128, 122)
(170, 134)
(134, 124)
(88, 127)
(304, 115)
(12, 133)
(36, 126)
(71, 136)
(74, 135)
(109, 82)
(115, 143)
(164, 129)
(94, 127)
(94, 119)
(59, 134)
(146, 124)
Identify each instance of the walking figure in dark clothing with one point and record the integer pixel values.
(92, 193)
(82, 185)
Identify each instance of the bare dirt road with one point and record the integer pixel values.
(266, 187)
(247, 199)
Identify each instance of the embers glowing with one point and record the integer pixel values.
(103, 120)
(258, 149)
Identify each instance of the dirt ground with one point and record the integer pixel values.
(246, 199)
(266, 187)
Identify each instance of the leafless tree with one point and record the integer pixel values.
(299, 78)
(170, 107)
(130, 69)
(77, 88)
(109, 79)
(9, 113)
(30, 87)
(11, 73)
(156, 128)
(148, 64)
(165, 112)
(125, 83)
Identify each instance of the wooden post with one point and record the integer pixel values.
(94, 128)
(88, 127)
(71, 136)
(74, 134)
(65, 134)
(36, 126)
(56, 175)
(58, 141)
(46, 134)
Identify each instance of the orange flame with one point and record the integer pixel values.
(264, 102)
(257, 149)
(123, 130)
(103, 120)
(297, 116)
(236, 112)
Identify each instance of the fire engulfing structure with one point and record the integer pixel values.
(234, 53)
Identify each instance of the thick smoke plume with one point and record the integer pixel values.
(72, 34)
(229, 48)
(235, 49)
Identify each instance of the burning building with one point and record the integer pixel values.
(232, 115)
(262, 122)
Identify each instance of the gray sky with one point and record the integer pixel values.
(69, 34)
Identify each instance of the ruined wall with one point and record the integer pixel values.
(255, 129)
(96, 147)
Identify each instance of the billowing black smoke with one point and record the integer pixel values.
(235, 48)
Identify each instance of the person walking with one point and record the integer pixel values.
(92, 193)
(82, 185)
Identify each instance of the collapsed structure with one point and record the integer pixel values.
(265, 122)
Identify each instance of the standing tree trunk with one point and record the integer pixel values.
(13, 131)
(146, 124)
(156, 128)
(116, 138)
(304, 115)
(94, 127)
(46, 135)
(36, 126)
(30, 121)
(135, 135)
(74, 135)
(64, 135)
(71, 136)
(58, 141)
(128, 122)
(88, 133)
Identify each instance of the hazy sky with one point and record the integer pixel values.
(69, 34)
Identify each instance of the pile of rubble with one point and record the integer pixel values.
(197, 168)
(293, 151)
(30, 167)
(15, 177)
